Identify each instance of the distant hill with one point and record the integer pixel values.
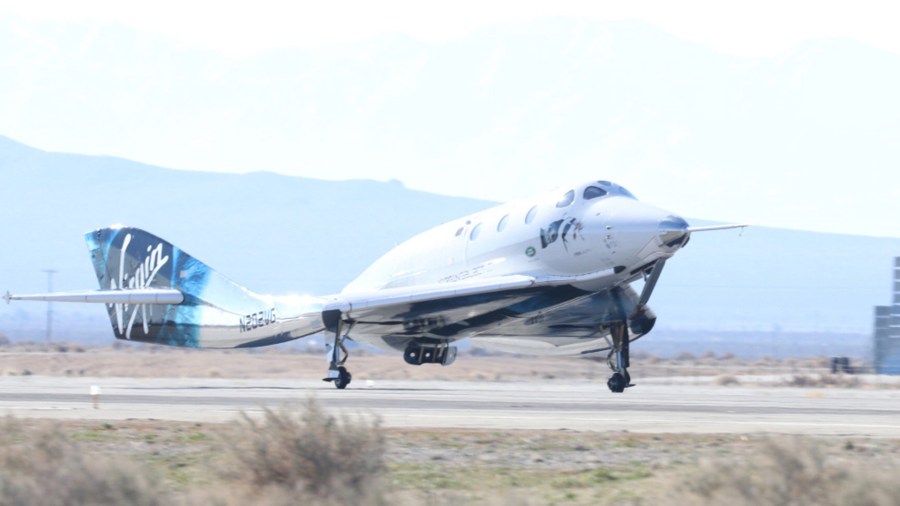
(281, 234)
(513, 106)
(271, 233)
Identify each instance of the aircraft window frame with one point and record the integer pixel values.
(596, 193)
(567, 199)
(476, 231)
(501, 225)
(531, 215)
(627, 193)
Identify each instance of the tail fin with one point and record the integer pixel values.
(215, 312)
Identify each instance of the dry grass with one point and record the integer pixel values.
(789, 471)
(824, 380)
(307, 454)
(724, 380)
(290, 457)
(48, 468)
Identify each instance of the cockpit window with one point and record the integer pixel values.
(567, 199)
(627, 193)
(531, 214)
(592, 192)
(610, 189)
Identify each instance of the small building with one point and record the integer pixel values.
(887, 331)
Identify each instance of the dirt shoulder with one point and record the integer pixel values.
(159, 361)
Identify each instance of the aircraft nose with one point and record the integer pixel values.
(673, 231)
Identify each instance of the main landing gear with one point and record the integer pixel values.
(337, 352)
(618, 358)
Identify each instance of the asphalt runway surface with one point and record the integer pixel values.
(691, 406)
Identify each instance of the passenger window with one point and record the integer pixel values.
(502, 225)
(475, 232)
(592, 192)
(567, 199)
(531, 214)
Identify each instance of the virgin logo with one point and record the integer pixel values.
(142, 277)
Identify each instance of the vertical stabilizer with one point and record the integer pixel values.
(215, 311)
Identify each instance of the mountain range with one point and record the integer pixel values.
(281, 234)
(781, 140)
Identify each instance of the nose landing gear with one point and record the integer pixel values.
(618, 359)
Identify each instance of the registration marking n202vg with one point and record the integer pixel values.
(259, 319)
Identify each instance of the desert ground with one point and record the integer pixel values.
(125, 360)
(275, 454)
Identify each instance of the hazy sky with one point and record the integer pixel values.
(212, 38)
(241, 29)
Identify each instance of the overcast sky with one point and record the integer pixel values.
(241, 29)
(217, 36)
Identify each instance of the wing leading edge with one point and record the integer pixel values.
(135, 296)
(523, 313)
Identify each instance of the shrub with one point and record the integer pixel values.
(790, 471)
(727, 380)
(308, 454)
(46, 468)
(823, 380)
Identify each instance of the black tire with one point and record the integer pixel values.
(343, 379)
(616, 383)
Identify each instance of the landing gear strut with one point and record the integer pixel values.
(337, 353)
(618, 358)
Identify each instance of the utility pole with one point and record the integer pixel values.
(50, 273)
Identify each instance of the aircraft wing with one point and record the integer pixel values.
(389, 297)
(549, 310)
(134, 296)
(403, 296)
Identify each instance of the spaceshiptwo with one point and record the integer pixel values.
(549, 275)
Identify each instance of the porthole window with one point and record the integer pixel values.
(531, 214)
(567, 199)
(503, 222)
(475, 232)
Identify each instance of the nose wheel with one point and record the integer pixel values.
(343, 378)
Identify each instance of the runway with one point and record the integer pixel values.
(652, 407)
